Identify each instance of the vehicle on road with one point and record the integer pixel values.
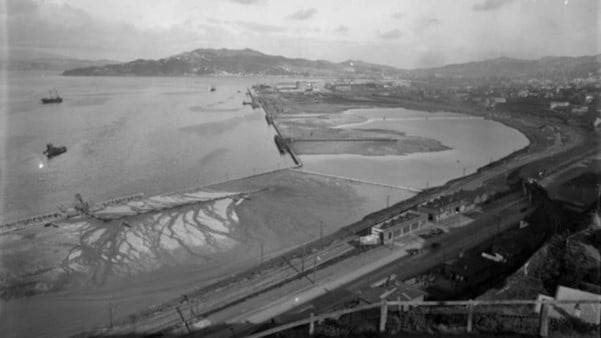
(412, 252)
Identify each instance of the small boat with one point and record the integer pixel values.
(212, 88)
(52, 151)
(54, 98)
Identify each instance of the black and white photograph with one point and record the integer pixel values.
(286, 168)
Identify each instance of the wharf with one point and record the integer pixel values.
(269, 119)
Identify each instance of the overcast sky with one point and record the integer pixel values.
(402, 33)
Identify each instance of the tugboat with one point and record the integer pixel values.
(52, 151)
(54, 98)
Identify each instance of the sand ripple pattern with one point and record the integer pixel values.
(138, 243)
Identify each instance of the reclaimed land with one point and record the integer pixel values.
(317, 128)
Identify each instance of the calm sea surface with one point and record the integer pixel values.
(124, 136)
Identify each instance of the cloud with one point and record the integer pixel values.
(302, 14)
(398, 15)
(248, 26)
(247, 2)
(392, 34)
(258, 27)
(490, 5)
(342, 29)
(423, 24)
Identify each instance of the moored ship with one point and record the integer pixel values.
(52, 151)
(54, 98)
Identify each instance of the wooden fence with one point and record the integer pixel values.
(543, 326)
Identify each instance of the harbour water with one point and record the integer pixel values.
(125, 135)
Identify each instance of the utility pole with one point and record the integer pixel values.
(110, 315)
(315, 268)
(321, 232)
(261, 252)
(303, 260)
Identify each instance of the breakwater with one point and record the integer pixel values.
(63, 214)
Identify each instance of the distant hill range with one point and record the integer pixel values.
(251, 62)
(233, 61)
(30, 60)
(547, 67)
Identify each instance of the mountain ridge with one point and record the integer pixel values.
(210, 61)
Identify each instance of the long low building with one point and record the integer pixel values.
(445, 206)
(400, 225)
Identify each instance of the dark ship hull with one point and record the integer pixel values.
(52, 100)
(54, 151)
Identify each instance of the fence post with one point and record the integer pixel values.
(544, 320)
(111, 315)
(383, 315)
(311, 325)
(470, 316)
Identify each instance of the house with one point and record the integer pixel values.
(445, 206)
(559, 104)
(442, 207)
(586, 312)
(287, 86)
(342, 87)
(580, 110)
(403, 224)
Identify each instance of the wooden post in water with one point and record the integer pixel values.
(383, 315)
(544, 321)
(312, 325)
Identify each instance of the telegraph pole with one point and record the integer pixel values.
(320, 232)
(261, 252)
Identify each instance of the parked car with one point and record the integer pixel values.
(435, 246)
(412, 252)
